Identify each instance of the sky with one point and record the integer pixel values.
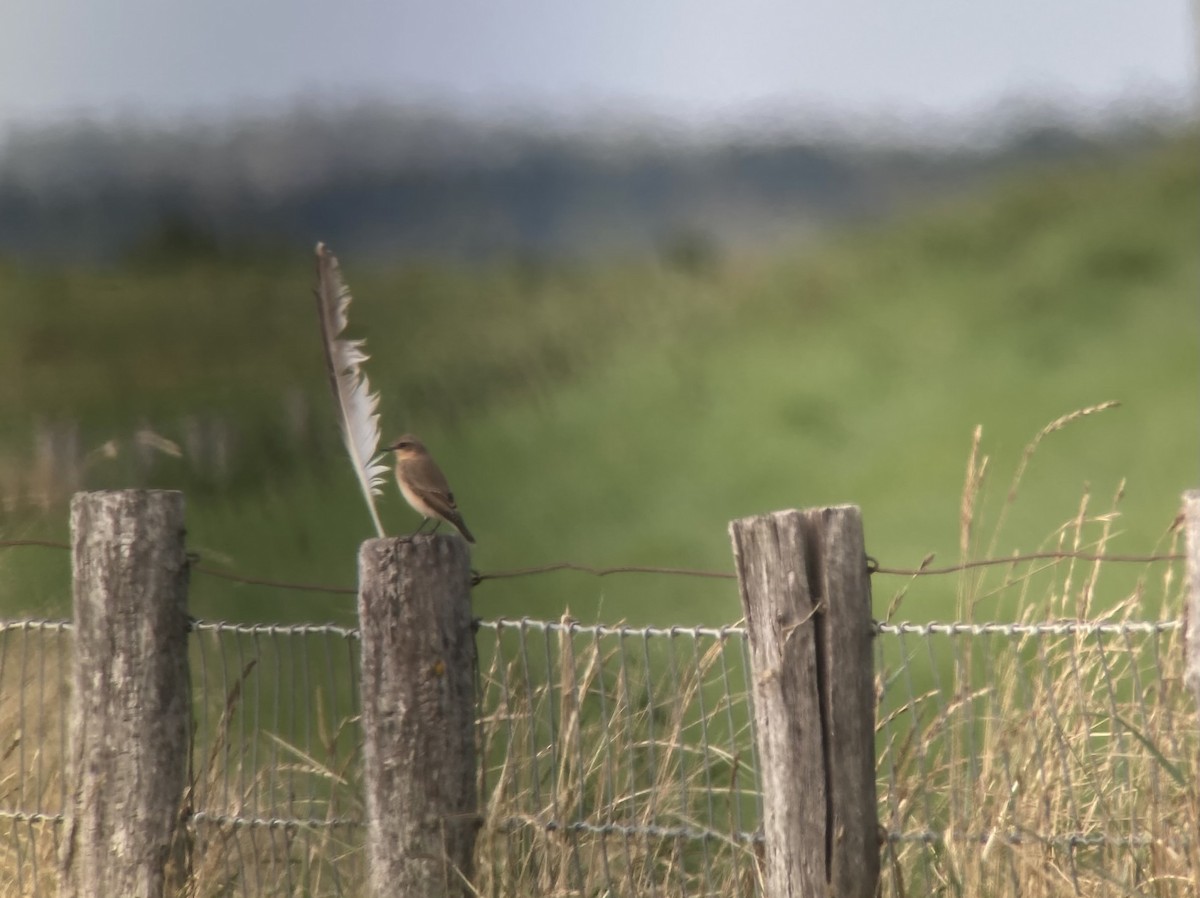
(689, 60)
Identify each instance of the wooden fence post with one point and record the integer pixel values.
(418, 715)
(1191, 611)
(806, 596)
(130, 697)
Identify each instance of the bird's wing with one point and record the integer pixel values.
(426, 478)
(427, 481)
(443, 504)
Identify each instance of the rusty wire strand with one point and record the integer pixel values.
(478, 577)
(633, 684)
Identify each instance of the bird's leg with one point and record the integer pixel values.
(417, 532)
(435, 527)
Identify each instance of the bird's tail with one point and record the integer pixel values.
(461, 526)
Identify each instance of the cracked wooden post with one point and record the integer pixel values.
(418, 716)
(806, 597)
(1191, 611)
(130, 700)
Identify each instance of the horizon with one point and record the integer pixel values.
(697, 67)
(982, 127)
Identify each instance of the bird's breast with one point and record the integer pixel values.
(412, 497)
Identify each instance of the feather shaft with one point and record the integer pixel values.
(357, 406)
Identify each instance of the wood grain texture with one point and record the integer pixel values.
(769, 554)
(1191, 615)
(418, 715)
(845, 633)
(130, 699)
(807, 603)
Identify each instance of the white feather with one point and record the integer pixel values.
(358, 407)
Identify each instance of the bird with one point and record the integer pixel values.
(424, 486)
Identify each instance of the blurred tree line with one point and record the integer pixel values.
(397, 182)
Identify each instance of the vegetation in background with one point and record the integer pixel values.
(402, 183)
(622, 413)
(1046, 764)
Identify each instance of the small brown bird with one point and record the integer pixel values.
(424, 486)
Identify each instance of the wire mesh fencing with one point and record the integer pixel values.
(1053, 758)
(1037, 758)
(272, 805)
(34, 668)
(616, 760)
(275, 801)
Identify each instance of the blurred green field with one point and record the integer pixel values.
(623, 414)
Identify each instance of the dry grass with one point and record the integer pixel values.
(616, 764)
(274, 768)
(244, 780)
(1050, 760)
(33, 692)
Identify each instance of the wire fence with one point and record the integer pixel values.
(1040, 759)
(1029, 758)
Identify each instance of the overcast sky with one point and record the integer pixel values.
(695, 60)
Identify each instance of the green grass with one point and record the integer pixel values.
(623, 414)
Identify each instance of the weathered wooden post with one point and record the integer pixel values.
(1191, 612)
(130, 698)
(806, 596)
(418, 715)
